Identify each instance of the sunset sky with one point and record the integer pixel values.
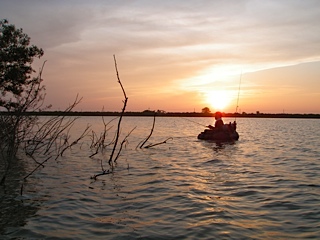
(176, 56)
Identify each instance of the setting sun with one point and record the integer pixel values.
(219, 99)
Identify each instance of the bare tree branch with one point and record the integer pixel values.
(123, 109)
(111, 160)
(154, 120)
(123, 141)
(152, 145)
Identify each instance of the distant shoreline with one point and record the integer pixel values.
(148, 113)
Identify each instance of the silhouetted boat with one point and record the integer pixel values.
(227, 133)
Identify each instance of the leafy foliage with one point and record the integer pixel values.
(16, 57)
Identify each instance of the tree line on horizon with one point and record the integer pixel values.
(165, 114)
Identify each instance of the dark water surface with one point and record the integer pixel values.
(264, 186)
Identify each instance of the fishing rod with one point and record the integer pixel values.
(238, 96)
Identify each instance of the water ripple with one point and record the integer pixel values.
(265, 186)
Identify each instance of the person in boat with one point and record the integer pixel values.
(218, 125)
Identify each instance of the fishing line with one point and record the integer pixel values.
(193, 122)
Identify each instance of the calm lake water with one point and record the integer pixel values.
(264, 186)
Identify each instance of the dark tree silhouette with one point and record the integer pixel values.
(21, 93)
(205, 110)
(16, 57)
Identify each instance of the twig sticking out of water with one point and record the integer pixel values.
(99, 143)
(147, 138)
(51, 139)
(154, 121)
(123, 109)
(152, 145)
(45, 139)
(121, 145)
(112, 159)
(29, 174)
(84, 133)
